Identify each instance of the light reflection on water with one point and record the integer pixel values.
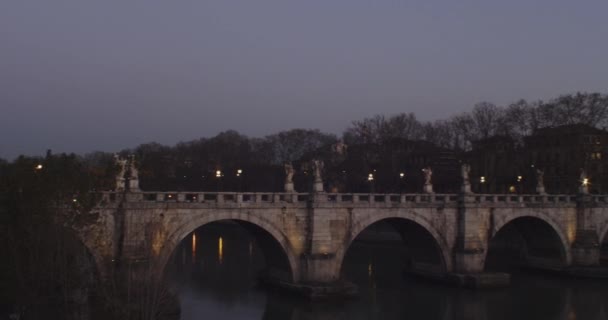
(216, 282)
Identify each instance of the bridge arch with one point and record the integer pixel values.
(249, 221)
(534, 234)
(417, 220)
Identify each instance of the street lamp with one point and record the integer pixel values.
(401, 184)
(239, 172)
(218, 175)
(370, 178)
(519, 179)
(38, 167)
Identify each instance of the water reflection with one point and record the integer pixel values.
(220, 250)
(225, 287)
(193, 247)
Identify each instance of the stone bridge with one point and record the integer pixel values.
(305, 236)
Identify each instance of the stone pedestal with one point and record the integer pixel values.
(428, 188)
(541, 190)
(289, 187)
(466, 188)
(583, 189)
(134, 185)
(318, 186)
(121, 183)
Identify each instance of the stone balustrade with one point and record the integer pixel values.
(354, 199)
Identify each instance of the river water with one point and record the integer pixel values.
(214, 273)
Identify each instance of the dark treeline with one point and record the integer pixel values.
(46, 272)
(382, 145)
(516, 120)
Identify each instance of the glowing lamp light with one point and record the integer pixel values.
(585, 181)
(220, 250)
(401, 175)
(218, 173)
(38, 167)
(519, 178)
(239, 172)
(370, 177)
(74, 200)
(482, 179)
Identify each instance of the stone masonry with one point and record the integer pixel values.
(315, 230)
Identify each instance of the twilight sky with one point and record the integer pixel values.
(78, 76)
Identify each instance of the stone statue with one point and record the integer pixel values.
(428, 173)
(289, 172)
(465, 170)
(317, 166)
(133, 175)
(428, 186)
(120, 177)
(540, 183)
(540, 176)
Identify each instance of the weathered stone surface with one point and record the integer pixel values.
(314, 231)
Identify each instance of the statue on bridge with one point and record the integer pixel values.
(289, 172)
(317, 166)
(540, 184)
(465, 170)
(133, 175)
(428, 186)
(122, 171)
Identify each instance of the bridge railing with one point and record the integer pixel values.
(353, 198)
(208, 197)
(536, 198)
(391, 198)
(525, 198)
(263, 197)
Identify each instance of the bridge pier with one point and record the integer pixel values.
(586, 246)
(319, 264)
(470, 250)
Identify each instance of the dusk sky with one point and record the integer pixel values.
(79, 76)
